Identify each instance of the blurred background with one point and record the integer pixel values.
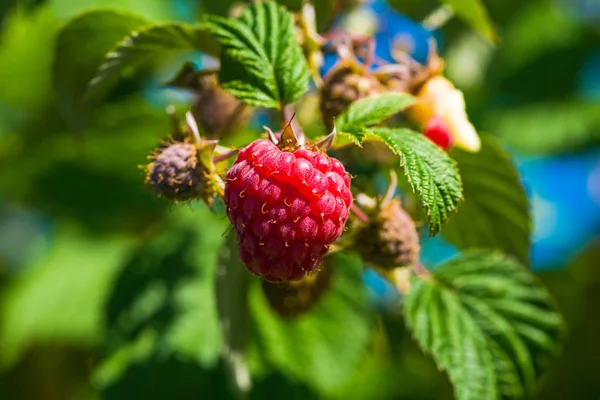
(89, 305)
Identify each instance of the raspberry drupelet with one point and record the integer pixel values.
(287, 207)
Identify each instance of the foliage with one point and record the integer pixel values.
(319, 349)
(144, 45)
(370, 111)
(75, 65)
(67, 295)
(154, 296)
(487, 322)
(262, 64)
(430, 172)
(549, 128)
(163, 303)
(474, 13)
(495, 213)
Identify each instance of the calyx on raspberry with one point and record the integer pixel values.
(287, 204)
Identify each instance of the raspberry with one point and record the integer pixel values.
(438, 131)
(293, 299)
(389, 239)
(287, 207)
(216, 110)
(343, 85)
(173, 173)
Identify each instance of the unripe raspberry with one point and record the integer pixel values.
(287, 207)
(389, 239)
(173, 172)
(438, 131)
(216, 110)
(292, 299)
(343, 85)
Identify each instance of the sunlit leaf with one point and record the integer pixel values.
(432, 174)
(487, 322)
(60, 299)
(80, 49)
(144, 45)
(163, 303)
(322, 347)
(261, 63)
(370, 111)
(473, 12)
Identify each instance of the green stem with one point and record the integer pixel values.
(232, 286)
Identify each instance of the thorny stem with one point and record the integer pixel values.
(359, 213)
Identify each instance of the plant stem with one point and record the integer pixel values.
(421, 271)
(359, 212)
(231, 287)
(225, 156)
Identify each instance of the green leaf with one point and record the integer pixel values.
(432, 174)
(148, 44)
(372, 110)
(554, 30)
(163, 304)
(80, 49)
(261, 63)
(60, 298)
(473, 12)
(495, 213)
(548, 128)
(322, 347)
(488, 322)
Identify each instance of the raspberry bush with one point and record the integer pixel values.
(286, 203)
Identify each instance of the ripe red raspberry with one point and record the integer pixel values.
(287, 207)
(438, 131)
